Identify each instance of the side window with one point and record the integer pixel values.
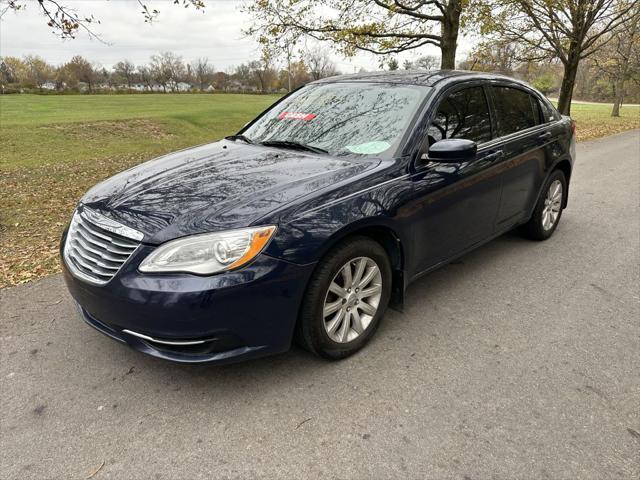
(549, 113)
(515, 110)
(463, 114)
(537, 113)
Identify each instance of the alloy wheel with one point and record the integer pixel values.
(552, 205)
(352, 299)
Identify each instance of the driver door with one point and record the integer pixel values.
(458, 202)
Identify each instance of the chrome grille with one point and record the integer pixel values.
(97, 246)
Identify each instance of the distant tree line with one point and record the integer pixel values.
(563, 36)
(165, 72)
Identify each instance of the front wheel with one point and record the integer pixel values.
(548, 211)
(346, 299)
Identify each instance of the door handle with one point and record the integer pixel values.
(545, 136)
(493, 155)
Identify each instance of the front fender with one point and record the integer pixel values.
(306, 238)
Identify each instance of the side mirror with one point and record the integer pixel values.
(452, 150)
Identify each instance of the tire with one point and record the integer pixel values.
(538, 226)
(313, 328)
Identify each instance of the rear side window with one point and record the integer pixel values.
(515, 109)
(463, 114)
(549, 113)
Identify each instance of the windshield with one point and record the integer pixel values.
(341, 118)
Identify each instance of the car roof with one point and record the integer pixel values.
(427, 78)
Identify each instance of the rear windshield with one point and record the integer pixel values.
(342, 118)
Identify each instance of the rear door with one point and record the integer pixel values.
(523, 138)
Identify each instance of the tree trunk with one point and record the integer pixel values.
(615, 112)
(450, 27)
(617, 99)
(626, 56)
(568, 81)
(289, 70)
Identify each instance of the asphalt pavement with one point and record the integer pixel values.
(520, 360)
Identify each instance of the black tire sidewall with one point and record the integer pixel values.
(534, 228)
(312, 333)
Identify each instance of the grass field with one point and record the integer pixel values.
(53, 148)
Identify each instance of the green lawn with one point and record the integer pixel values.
(37, 129)
(595, 121)
(54, 147)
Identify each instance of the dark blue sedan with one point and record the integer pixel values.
(316, 216)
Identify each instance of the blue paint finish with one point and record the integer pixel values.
(434, 211)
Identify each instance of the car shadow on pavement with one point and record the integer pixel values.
(447, 284)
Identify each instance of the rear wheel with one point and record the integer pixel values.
(346, 299)
(548, 211)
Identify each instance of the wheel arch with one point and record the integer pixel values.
(389, 238)
(565, 167)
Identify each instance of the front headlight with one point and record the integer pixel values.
(209, 253)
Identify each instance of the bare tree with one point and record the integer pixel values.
(381, 27)
(125, 70)
(619, 57)
(167, 69)
(65, 20)
(145, 75)
(493, 56)
(426, 62)
(203, 72)
(571, 30)
(319, 63)
(263, 73)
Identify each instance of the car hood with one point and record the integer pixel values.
(214, 187)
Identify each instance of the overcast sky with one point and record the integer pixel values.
(215, 33)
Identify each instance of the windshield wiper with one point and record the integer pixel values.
(293, 145)
(239, 137)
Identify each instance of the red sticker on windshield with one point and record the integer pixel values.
(297, 116)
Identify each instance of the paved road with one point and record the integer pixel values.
(522, 360)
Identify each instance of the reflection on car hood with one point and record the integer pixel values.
(214, 187)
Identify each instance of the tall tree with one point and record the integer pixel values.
(221, 81)
(493, 56)
(66, 20)
(145, 75)
(263, 73)
(381, 27)
(39, 71)
(426, 62)
(125, 71)
(13, 70)
(167, 69)
(78, 69)
(619, 57)
(203, 72)
(571, 30)
(319, 63)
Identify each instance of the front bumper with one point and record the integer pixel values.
(221, 318)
